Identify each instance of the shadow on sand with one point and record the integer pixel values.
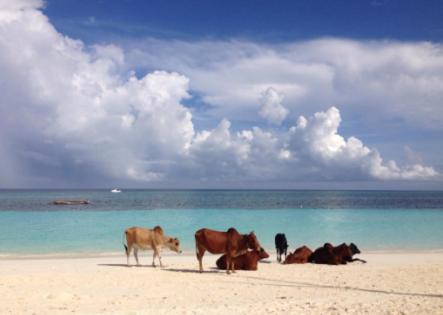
(279, 282)
(165, 268)
(185, 270)
(285, 283)
(126, 266)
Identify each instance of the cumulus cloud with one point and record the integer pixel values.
(78, 102)
(272, 109)
(311, 149)
(69, 112)
(399, 80)
(317, 140)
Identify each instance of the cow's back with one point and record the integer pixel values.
(246, 261)
(300, 256)
(280, 241)
(142, 237)
(324, 255)
(213, 241)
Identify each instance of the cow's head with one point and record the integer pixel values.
(328, 246)
(354, 249)
(174, 245)
(253, 243)
(262, 253)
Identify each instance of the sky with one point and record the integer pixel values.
(221, 94)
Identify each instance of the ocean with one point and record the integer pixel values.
(374, 220)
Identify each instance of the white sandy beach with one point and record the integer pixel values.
(390, 283)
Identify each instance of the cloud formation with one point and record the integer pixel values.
(317, 140)
(272, 108)
(68, 110)
(398, 80)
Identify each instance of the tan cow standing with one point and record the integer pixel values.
(142, 238)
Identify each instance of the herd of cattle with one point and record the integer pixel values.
(239, 251)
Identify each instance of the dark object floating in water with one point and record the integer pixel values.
(70, 202)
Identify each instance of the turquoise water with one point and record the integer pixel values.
(29, 224)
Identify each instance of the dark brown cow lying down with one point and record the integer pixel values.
(331, 255)
(299, 256)
(248, 261)
(230, 243)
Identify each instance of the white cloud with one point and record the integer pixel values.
(67, 108)
(272, 109)
(399, 80)
(317, 141)
(78, 101)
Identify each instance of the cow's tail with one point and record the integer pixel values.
(123, 241)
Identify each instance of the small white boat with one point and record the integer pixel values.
(116, 190)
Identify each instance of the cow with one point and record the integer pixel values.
(342, 254)
(299, 256)
(281, 245)
(142, 238)
(230, 243)
(246, 261)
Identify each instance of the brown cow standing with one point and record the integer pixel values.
(230, 243)
(299, 256)
(331, 255)
(142, 238)
(248, 261)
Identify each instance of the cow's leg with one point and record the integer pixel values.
(153, 256)
(229, 263)
(136, 256)
(159, 255)
(200, 251)
(278, 256)
(128, 253)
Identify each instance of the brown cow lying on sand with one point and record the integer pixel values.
(230, 243)
(331, 255)
(299, 256)
(142, 238)
(248, 261)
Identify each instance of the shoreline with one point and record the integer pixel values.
(166, 253)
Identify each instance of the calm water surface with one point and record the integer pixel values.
(375, 220)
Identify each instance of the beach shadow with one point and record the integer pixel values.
(286, 283)
(126, 266)
(183, 270)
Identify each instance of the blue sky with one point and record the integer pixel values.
(223, 94)
(258, 20)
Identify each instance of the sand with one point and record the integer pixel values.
(390, 283)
